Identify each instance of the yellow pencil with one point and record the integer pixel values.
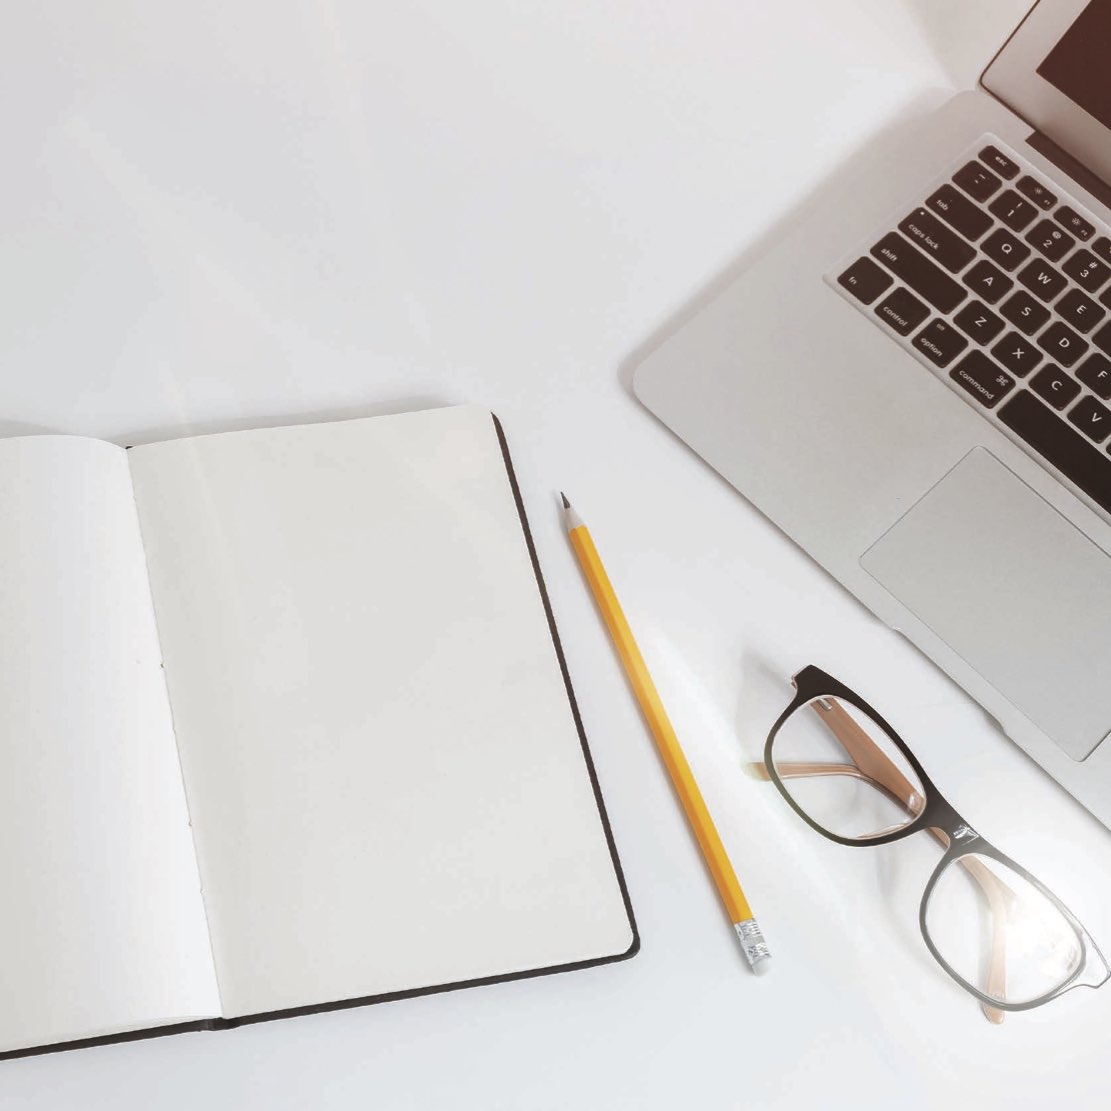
(740, 913)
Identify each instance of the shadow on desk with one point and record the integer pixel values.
(840, 181)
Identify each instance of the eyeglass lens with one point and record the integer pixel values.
(993, 927)
(844, 771)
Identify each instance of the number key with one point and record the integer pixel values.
(1013, 210)
(1051, 240)
(1087, 270)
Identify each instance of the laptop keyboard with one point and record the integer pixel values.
(1001, 284)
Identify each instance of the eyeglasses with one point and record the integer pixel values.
(994, 928)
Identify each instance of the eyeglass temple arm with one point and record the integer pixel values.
(866, 754)
(871, 763)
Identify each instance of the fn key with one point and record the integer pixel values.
(864, 280)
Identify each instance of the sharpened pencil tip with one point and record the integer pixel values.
(566, 503)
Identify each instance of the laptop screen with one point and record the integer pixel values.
(1078, 64)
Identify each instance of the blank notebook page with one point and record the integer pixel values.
(386, 783)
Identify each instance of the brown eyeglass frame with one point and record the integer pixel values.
(933, 813)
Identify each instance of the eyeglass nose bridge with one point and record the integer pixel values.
(954, 833)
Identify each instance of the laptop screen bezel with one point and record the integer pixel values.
(1012, 77)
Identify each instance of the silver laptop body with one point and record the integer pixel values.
(915, 385)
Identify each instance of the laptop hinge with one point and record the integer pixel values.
(1069, 165)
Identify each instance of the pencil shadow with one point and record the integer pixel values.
(278, 420)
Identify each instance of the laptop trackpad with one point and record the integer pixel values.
(1015, 589)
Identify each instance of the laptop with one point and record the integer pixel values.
(915, 385)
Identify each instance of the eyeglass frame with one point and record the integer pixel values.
(937, 814)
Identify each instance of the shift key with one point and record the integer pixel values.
(916, 271)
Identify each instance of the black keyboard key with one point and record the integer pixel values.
(1095, 373)
(1102, 247)
(1005, 249)
(1079, 311)
(979, 322)
(1065, 449)
(1017, 354)
(902, 311)
(976, 181)
(980, 377)
(1087, 270)
(1074, 222)
(865, 280)
(933, 238)
(1040, 278)
(1060, 342)
(1012, 210)
(958, 211)
(999, 162)
(1026, 314)
(1102, 339)
(1051, 240)
(1037, 192)
(1093, 419)
(1052, 383)
(924, 277)
(988, 281)
(940, 342)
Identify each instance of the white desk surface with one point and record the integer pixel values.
(214, 214)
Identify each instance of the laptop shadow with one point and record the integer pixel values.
(839, 181)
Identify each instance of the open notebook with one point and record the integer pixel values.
(285, 725)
